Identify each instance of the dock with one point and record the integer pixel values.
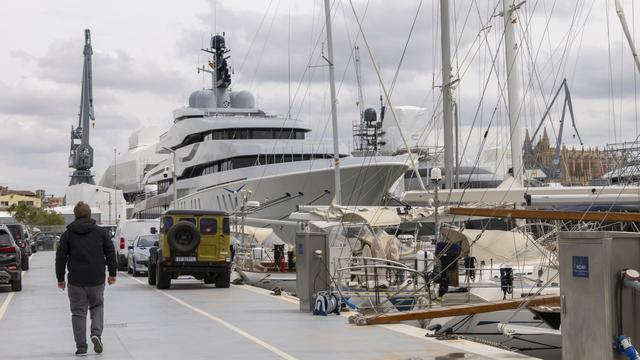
(196, 321)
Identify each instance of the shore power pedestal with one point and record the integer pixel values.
(312, 268)
(596, 307)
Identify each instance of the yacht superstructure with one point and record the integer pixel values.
(128, 169)
(223, 144)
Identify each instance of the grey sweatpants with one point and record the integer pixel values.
(81, 299)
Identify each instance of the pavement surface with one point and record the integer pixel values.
(197, 321)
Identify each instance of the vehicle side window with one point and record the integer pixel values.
(167, 223)
(191, 220)
(5, 239)
(15, 231)
(225, 226)
(208, 226)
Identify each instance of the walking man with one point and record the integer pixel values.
(85, 249)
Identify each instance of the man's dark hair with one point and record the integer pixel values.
(82, 210)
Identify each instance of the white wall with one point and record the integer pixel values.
(98, 197)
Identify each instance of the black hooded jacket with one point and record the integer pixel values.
(85, 249)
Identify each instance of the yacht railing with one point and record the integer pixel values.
(144, 196)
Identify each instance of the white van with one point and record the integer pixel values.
(127, 231)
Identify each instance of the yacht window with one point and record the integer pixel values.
(244, 134)
(262, 134)
(244, 161)
(283, 134)
(239, 163)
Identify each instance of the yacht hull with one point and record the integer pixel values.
(364, 182)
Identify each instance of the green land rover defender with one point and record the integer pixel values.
(192, 242)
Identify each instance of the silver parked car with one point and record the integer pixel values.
(138, 255)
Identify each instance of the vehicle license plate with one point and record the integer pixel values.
(186, 258)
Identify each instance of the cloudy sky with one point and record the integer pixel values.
(146, 53)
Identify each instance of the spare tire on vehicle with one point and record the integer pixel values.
(183, 237)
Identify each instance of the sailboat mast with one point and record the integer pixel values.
(447, 103)
(513, 88)
(334, 112)
(627, 33)
(361, 127)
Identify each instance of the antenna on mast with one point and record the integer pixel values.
(219, 70)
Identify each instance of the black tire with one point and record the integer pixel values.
(223, 280)
(25, 264)
(151, 274)
(209, 278)
(183, 237)
(163, 278)
(16, 285)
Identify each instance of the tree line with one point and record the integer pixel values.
(33, 216)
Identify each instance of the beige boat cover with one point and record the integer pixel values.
(497, 245)
(258, 236)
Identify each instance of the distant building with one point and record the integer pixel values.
(10, 197)
(41, 193)
(53, 201)
(576, 166)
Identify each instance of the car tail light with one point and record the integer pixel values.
(121, 243)
(8, 249)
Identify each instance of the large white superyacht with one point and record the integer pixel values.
(223, 144)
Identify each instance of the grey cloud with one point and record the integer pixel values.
(22, 136)
(113, 70)
(22, 55)
(387, 41)
(593, 80)
(25, 98)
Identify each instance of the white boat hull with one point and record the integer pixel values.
(364, 182)
(270, 280)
